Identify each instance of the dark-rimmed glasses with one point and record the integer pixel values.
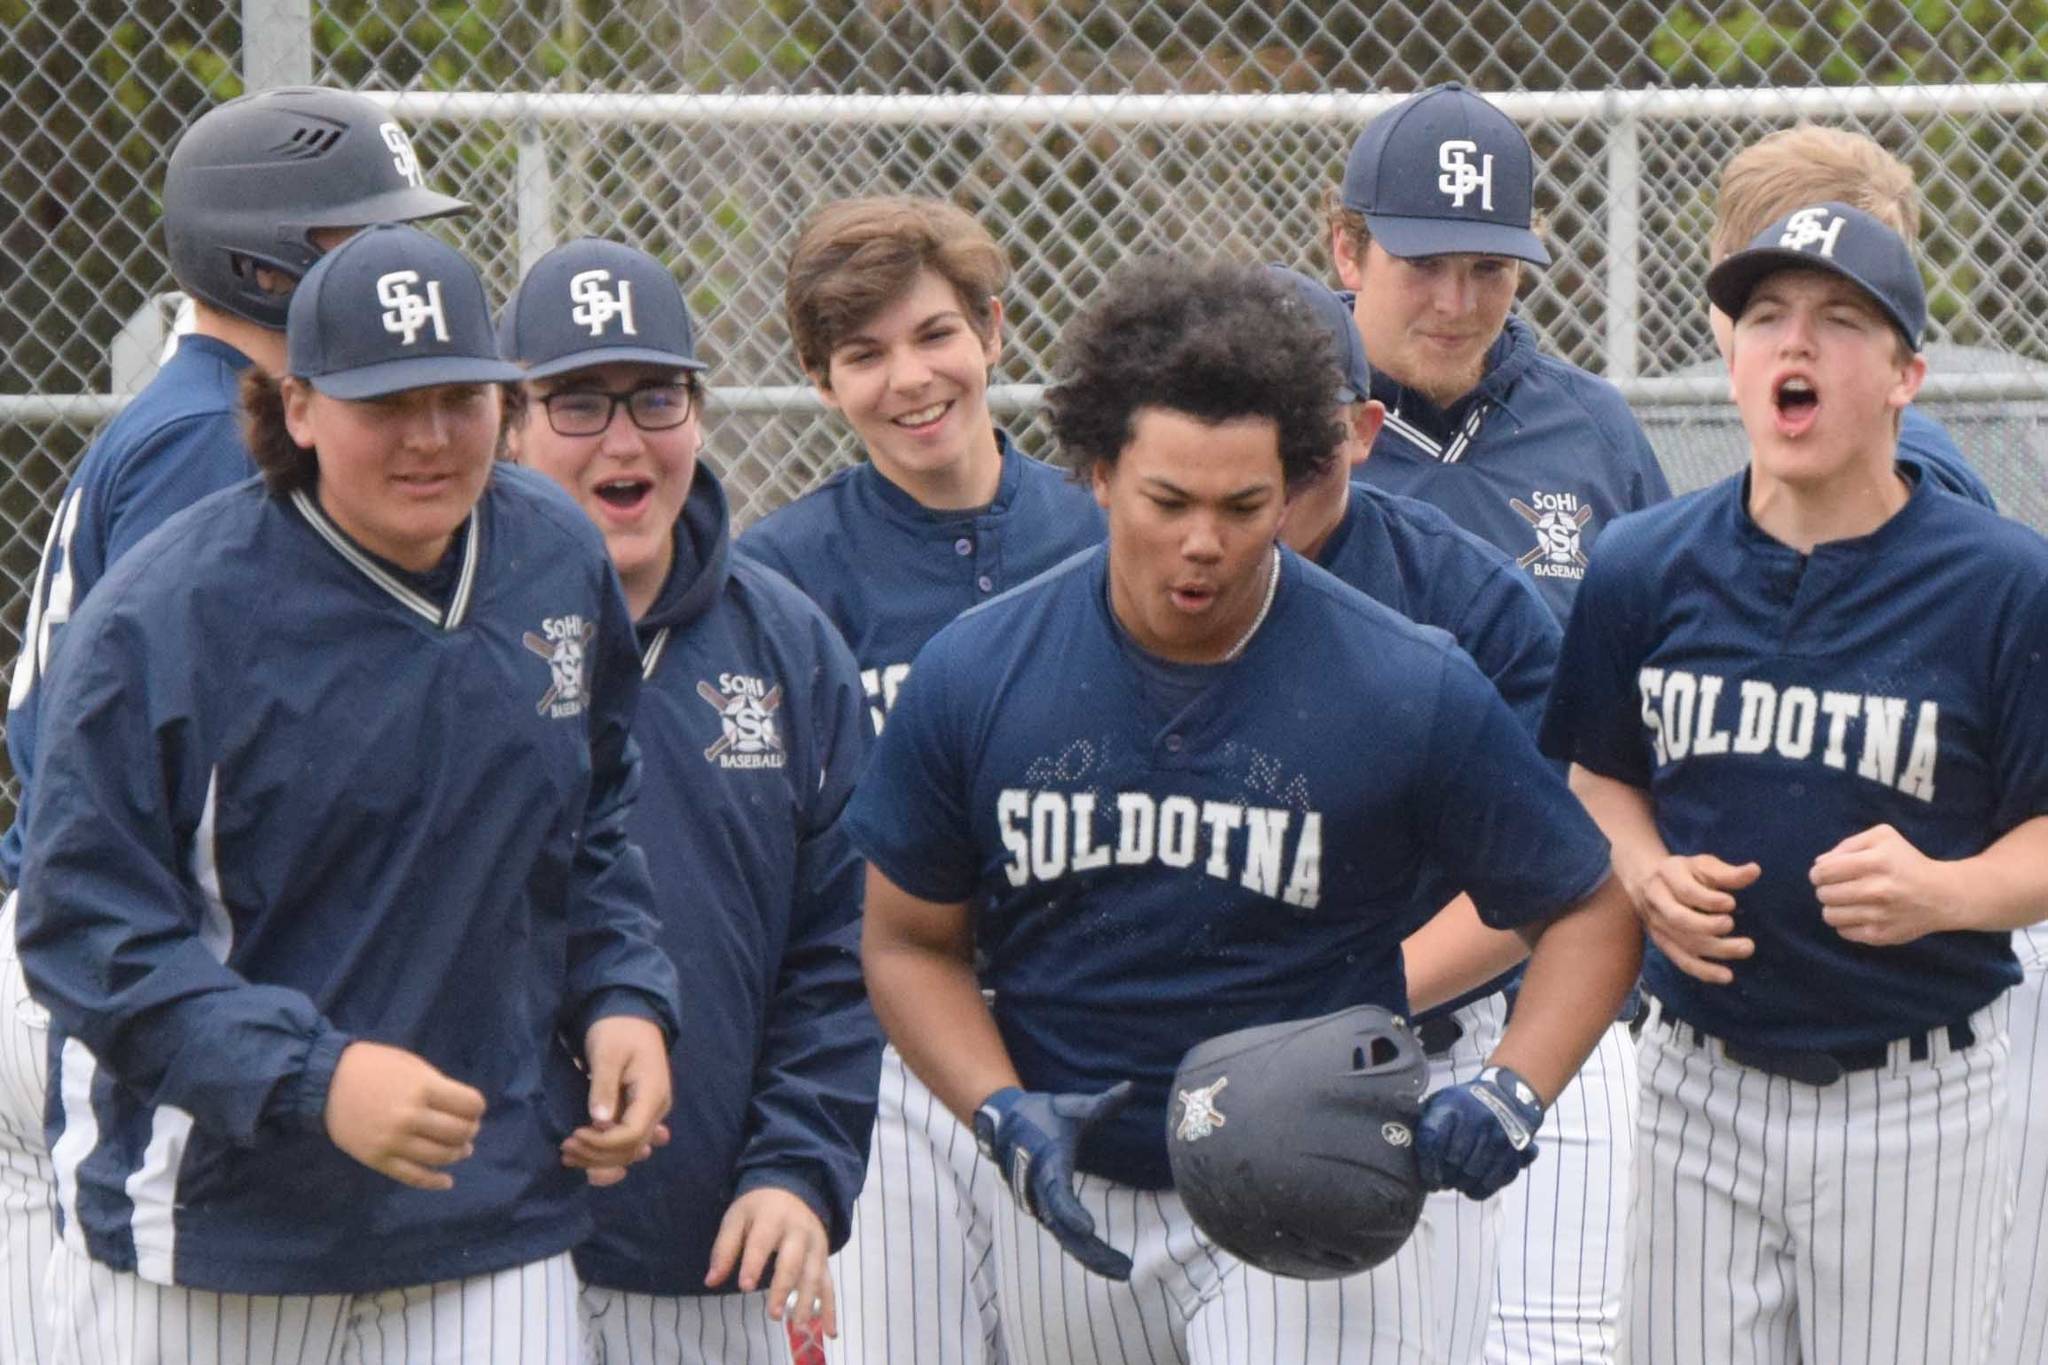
(652, 407)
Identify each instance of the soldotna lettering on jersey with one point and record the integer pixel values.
(1692, 715)
(1052, 834)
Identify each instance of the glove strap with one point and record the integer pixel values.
(1501, 1091)
(988, 1126)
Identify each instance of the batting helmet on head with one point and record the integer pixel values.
(1293, 1145)
(250, 181)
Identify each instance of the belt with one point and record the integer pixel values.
(1439, 1034)
(1825, 1066)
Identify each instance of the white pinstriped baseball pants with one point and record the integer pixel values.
(2023, 1319)
(523, 1316)
(915, 1282)
(1561, 1271)
(1187, 1301)
(1777, 1222)
(622, 1328)
(1464, 1234)
(28, 1183)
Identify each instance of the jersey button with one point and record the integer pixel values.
(1173, 743)
(985, 583)
(963, 546)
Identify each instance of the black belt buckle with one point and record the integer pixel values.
(1808, 1068)
(1438, 1034)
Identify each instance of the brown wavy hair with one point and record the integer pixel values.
(854, 257)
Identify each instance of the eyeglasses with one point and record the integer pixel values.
(587, 412)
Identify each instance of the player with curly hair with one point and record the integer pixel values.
(1188, 783)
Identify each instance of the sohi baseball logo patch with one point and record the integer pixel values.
(1559, 521)
(564, 642)
(748, 734)
(1199, 1115)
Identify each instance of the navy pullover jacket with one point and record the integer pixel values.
(752, 727)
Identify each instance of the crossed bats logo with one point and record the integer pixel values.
(565, 646)
(746, 720)
(1199, 1115)
(1557, 534)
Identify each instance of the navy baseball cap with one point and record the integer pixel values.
(1444, 171)
(1328, 310)
(1836, 238)
(391, 309)
(595, 302)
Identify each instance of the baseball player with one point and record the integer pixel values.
(1408, 555)
(1826, 786)
(1431, 228)
(1186, 784)
(1808, 164)
(327, 888)
(751, 729)
(893, 305)
(1769, 178)
(254, 191)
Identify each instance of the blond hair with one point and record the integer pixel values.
(1810, 164)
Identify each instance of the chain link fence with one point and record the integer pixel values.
(704, 130)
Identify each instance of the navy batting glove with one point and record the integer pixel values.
(1477, 1137)
(1031, 1137)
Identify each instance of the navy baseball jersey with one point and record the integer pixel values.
(1925, 444)
(1536, 460)
(1772, 704)
(177, 441)
(889, 571)
(1146, 876)
(301, 797)
(1410, 556)
(751, 729)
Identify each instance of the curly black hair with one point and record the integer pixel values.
(1213, 339)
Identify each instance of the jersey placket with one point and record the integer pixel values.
(981, 552)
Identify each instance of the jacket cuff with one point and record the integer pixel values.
(791, 1182)
(308, 1110)
(627, 1001)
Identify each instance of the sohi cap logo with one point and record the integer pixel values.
(1461, 177)
(1810, 228)
(402, 155)
(596, 305)
(407, 310)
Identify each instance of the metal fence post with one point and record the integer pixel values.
(1624, 241)
(277, 43)
(534, 197)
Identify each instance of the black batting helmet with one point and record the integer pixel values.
(250, 181)
(1293, 1145)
